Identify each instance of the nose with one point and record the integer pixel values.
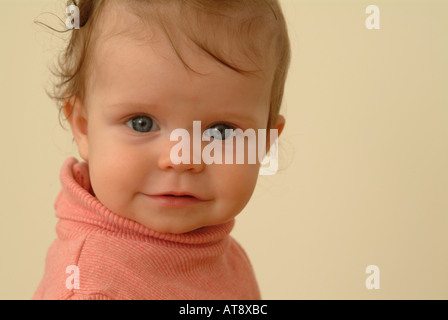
(181, 157)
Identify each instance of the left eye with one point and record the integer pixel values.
(142, 124)
(219, 131)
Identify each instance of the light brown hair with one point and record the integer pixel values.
(256, 27)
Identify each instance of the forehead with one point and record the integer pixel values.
(132, 57)
(242, 38)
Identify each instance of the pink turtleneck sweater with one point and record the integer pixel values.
(117, 258)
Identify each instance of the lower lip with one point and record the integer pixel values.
(174, 202)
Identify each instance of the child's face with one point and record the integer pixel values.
(131, 172)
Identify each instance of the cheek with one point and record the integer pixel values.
(117, 171)
(235, 185)
(113, 158)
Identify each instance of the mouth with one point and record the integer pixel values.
(175, 199)
(179, 195)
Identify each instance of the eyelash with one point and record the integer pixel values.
(154, 122)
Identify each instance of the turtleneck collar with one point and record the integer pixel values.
(77, 203)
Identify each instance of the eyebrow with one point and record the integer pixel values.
(133, 104)
(240, 116)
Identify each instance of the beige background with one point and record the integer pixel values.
(365, 153)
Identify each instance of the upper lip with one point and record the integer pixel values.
(178, 194)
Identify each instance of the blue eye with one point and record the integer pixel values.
(220, 131)
(142, 124)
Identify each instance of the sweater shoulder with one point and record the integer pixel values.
(99, 266)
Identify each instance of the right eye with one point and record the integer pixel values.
(142, 124)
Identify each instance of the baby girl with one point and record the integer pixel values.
(132, 223)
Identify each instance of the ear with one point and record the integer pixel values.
(279, 125)
(75, 113)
